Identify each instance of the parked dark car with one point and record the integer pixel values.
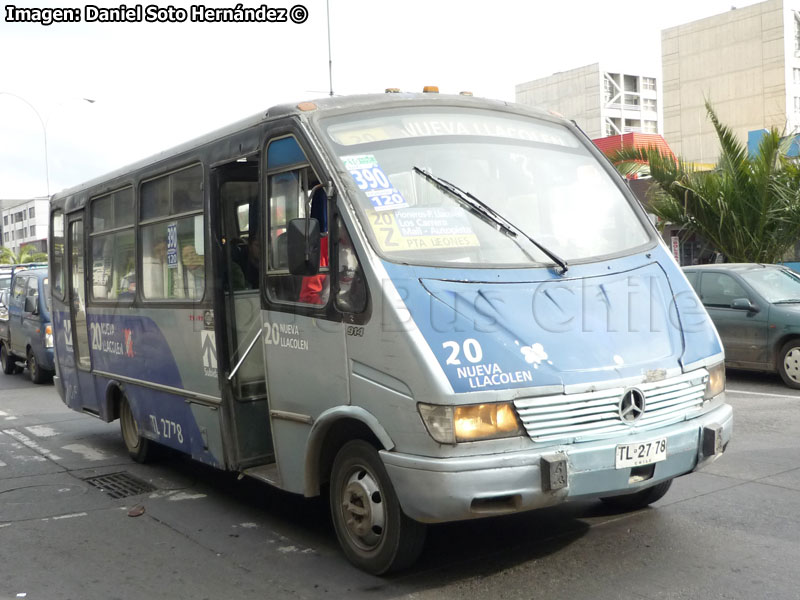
(27, 337)
(756, 309)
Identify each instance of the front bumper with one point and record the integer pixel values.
(433, 490)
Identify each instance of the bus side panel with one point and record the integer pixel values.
(167, 346)
(65, 360)
(306, 364)
(170, 420)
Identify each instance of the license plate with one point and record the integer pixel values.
(642, 453)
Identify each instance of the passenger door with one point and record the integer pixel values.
(78, 323)
(241, 354)
(304, 336)
(743, 333)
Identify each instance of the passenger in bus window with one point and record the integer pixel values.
(127, 287)
(316, 288)
(252, 268)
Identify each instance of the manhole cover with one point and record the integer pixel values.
(120, 485)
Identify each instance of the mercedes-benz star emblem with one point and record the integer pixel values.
(631, 406)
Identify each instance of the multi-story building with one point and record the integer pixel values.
(602, 102)
(746, 62)
(23, 223)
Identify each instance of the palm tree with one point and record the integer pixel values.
(27, 254)
(747, 207)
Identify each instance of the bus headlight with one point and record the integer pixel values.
(716, 381)
(470, 423)
(48, 336)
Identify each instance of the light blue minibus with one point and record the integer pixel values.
(431, 308)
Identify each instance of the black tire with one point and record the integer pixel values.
(374, 532)
(6, 362)
(139, 448)
(639, 499)
(789, 363)
(38, 375)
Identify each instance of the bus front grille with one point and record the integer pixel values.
(596, 414)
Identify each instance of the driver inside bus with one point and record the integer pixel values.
(316, 288)
(246, 268)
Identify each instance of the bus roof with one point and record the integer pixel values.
(306, 109)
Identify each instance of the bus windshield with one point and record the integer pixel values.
(533, 175)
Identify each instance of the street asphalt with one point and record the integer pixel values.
(188, 531)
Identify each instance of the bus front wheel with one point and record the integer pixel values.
(371, 527)
(139, 448)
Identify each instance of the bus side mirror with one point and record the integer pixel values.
(303, 250)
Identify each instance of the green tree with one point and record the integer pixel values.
(746, 207)
(27, 254)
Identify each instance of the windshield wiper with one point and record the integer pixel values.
(788, 301)
(489, 215)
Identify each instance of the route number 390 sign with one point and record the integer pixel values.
(371, 179)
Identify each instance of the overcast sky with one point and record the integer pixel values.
(159, 84)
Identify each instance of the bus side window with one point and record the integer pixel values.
(290, 197)
(173, 236)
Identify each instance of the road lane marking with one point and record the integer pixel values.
(87, 452)
(184, 496)
(761, 394)
(26, 441)
(42, 431)
(72, 516)
(68, 516)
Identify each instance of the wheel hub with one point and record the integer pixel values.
(791, 363)
(362, 509)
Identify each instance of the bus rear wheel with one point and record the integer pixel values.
(139, 448)
(374, 532)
